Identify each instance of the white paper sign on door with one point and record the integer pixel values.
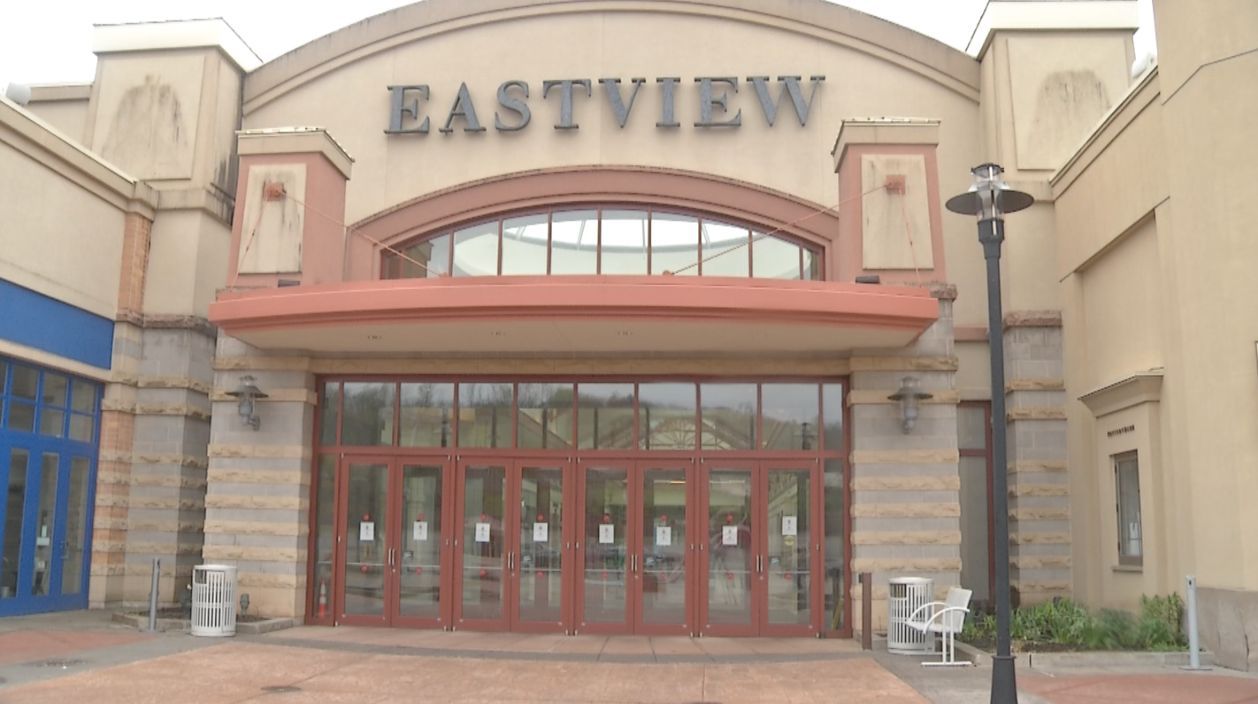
(367, 531)
(729, 535)
(482, 532)
(789, 524)
(541, 532)
(606, 534)
(663, 536)
(420, 530)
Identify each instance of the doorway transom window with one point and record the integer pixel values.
(608, 240)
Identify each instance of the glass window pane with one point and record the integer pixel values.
(476, 250)
(835, 543)
(4, 375)
(329, 407)
(11, 542)
(790, 416)
(524, 244)
(52, 422)
(25, 381)
(725, 250)
(366, 536)
(545, 415)
(83, 398)
(484, 415)
(605, 416)
(668, 416)
(674, 244)
(971, 427)
(45, 522)
(428, 259)
(81, 427)
(368, 413)
(729, 416)
(76, 528)
(574, 242)
(21, 416)
(624, 242)
(832, 398)
(812, 265)
(325, 535)
(975, 574)
(788, 562)
(1130, 547)
(774, 258)
(425, 415)
(606, 578)
(55, 388)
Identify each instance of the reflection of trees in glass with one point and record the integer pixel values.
(368, 414)
(425, 415)
(668, 415)
(790, 416)
(545, 415)
(485, 415)
(605, 416)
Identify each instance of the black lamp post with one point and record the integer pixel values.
(989, 199)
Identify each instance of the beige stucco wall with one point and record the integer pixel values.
(1156, 255)
(591, 44)
(69, 247)
(65, 109)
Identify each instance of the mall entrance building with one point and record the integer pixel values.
(581, 316)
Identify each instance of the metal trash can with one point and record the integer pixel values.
(904, 596)
(213, 600)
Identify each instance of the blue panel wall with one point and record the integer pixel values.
(35, 320)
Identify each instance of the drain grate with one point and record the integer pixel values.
(281, 688)
(62, 663)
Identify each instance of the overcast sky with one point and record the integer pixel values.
(49, 41)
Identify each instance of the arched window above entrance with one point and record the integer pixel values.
(608, 239)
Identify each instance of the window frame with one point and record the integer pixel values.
(810, 268)
(1131, 461)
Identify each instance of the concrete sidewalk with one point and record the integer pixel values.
(56, 658)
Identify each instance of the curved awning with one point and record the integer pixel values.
(588, 314)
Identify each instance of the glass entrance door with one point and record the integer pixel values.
(367, 552)
(538, 556)
(480, 548)
(393, 522)
(43, 529)
(637, 559)
(423, 562)
(759, 576)
(663, 554)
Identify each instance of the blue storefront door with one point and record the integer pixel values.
(48, 434)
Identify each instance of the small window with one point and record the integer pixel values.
(1127, 481)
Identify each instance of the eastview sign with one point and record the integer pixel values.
(512, 112)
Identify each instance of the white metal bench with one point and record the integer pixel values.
(945, 618)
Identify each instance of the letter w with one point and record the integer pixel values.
(761, 84)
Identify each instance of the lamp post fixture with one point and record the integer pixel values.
(989, 198)
(245, 394)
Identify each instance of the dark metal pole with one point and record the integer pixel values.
(991, 233)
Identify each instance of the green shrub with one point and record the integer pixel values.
(1066, 623)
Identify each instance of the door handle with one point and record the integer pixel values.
(759, 564)
(510, 560)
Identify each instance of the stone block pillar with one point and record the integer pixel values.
(906, 486)
(1039, 487)
(258, 500)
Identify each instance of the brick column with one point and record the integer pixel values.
(117, 422)
(1039, 488)
(906, 487)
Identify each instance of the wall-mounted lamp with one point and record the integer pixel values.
(908, 395)
(245, 395)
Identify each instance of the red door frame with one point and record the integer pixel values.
(446, 555)
(458, 621)
(637, 514)
(816, 530)
(342, 526)
(759, 471)
(583, 467)
(516, 482)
